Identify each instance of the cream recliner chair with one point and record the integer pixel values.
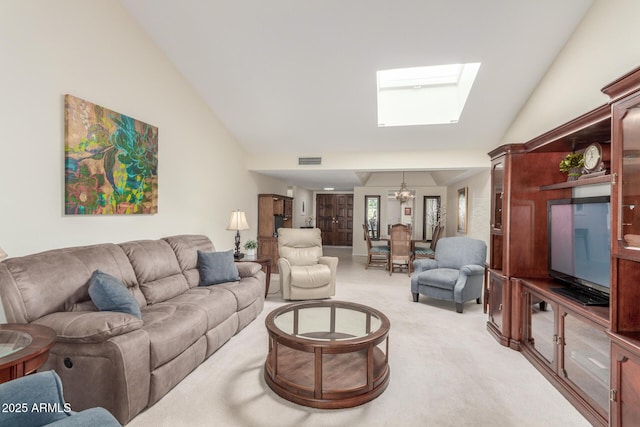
(304, 272)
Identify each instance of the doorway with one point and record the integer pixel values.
(334, 218)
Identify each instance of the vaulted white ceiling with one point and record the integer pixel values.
(298, 77)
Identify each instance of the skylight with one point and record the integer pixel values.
(424, 95)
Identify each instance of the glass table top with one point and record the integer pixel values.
(12, 341)
(328, 323)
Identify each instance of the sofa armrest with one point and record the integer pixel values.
(89, 326)
(424, 264)
(332, 263)
(329, 261)
(472, 270)
(248, 269)
(284, 268)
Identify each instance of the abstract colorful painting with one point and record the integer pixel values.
(111, 161)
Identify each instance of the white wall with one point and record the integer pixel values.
(479, 207)
(302, 196)
(603, 47)
(94, 50)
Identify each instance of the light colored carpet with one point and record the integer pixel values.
(446, 370)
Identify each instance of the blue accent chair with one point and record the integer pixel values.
(456, 274)
(37, 400)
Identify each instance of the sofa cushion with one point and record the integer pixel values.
(300, 247)
(311, 276)
(246, 291)
(217, 303)
(248, 269)
(89, 326)
(110, 294)
(217, 267)
(443, 278)
(185, 247)
(172, 328)
(156, 268)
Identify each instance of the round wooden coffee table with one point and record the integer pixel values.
(327, 354)
(23, 349)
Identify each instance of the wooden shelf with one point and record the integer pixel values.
(596, 314)
(578, 182)
(628, 339)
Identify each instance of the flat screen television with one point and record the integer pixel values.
(579, 244)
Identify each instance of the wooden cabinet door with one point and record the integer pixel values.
(334, 218)
(325, 217)
(497, 193)
(626, 170)
(268, 248)
(498, 307)
(625, 387)
(584, 359)
(344, 220)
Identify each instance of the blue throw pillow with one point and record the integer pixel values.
(110, 294)
(217, 267)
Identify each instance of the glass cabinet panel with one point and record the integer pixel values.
(541, 329)
(586, 360)
(629, 216)
(496, 298)
(497, 184)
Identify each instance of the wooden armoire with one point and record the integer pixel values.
(274, 211)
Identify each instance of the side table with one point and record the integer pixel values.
(265, 262)
(23, 348)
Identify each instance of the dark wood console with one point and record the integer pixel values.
(590, 354)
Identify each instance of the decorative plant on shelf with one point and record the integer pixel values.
(250, 244)
(572, 164)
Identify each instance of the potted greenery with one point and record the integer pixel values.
(251, 246)
(572, 164)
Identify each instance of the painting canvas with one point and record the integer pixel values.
(111, 161)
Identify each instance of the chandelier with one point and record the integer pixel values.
(404, 194)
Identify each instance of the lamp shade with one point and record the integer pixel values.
(238, 221)
(3, 254)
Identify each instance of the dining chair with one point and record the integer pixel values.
(377, 255)
(373, 229)
(401, 255)
(430, 251)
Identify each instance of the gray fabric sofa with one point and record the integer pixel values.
(116, 360)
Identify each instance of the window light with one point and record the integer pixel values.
(424, 95)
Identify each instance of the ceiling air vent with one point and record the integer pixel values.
(305, 161)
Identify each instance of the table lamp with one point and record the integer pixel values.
(238, 222)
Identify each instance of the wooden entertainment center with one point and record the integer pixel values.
(590, 354)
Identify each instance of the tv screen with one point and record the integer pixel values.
(579, 241)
